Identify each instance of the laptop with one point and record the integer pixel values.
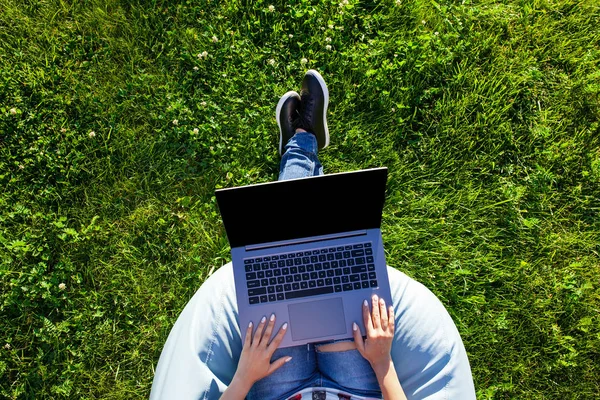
(309, 250)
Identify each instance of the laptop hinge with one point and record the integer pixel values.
(312, 239)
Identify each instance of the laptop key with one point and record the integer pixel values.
(328, 281)
(370, 259)
(369, 252)
(314, 259)
(337, 280)
(364, 276)
(268, 274)
(293, 270)
(270, 289)
(373, 283)
(343, 263)
(277, 272)
(337, 288)
(305, 260)
(346, 254)
(289, 262)
(254, 300)
(303, 285)
(287, 287)
(358, 269)
(263, 298)
(372, 275)
(308, 292)
(248, 261)
(281, 280)
(280, 296)
(253, 284)
(322, 274)
(264, 282)
(320, 282)
(289, 279)
(338, 272)
(258, 260)
(260, 274)
(318, 266)
(371, 267)
(346, 271)
(264, 266)
(250, 276)
(330, 273)
(368, 244)
(354, 278)
(272, 281)
(365, 284)
(339, 256)
(310, 268)
(345, 279)
(256, 267)
(326, 265)
(347, 286)
(297, 278)
(295, 286)
(312, 284)
(285, 271)
(301, 269)
(273, 264)
(272, 297)
(358, 253)
(297, 261)
(248, 268)
(257, 291)
(356, 285)
(330, 257)
(358, 246)
(275, 258)
(279, 288)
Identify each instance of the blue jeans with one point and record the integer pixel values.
(202, 351)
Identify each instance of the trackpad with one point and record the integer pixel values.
(316, 319)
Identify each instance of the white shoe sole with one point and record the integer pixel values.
(282, 100)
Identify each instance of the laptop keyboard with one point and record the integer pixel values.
(310, 272)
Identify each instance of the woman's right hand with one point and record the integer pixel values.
(380, 325)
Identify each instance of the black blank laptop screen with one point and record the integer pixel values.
(300, 208)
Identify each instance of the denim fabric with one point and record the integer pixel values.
(300, 158)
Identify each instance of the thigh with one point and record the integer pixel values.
(297, 374)
(428, 352)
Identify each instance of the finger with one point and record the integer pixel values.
(259, 331)
(383, 314)
(248, 339)
(278, 338)
(392, 319)
(267, 334)
(358, 340)
(275, 365)
(375, 311)
(367, 317)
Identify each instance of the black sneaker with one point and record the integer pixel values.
(313, 112)
(287, 115)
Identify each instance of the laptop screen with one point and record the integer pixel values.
(299, 208)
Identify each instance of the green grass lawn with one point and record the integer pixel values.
(116, 128)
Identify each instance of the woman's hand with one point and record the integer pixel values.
(380, 326)
(255, 360)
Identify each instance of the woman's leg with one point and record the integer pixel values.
(300, 158)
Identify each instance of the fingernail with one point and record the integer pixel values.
(365, 303)
(354, 326)
(263, 320)
(250, 324)
(382, 301)
(288, 359)
(284, 326)
(375, 297)
(272, 318)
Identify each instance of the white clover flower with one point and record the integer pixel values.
(215, 39)
(436, 33)
(21, 166)
(92, 134)
(196, 68)
(271, 62)
(393, 109)
(203, 104)
(195, 131)
(398, 2)
(13, 111)
(224, 75)
(175, 122)
(205, 54)
(62, 286)
(63, 130)
(290, 36)
(7, 346)
(423, 22)
(322, 28)
(271, 8)
(303, 61)
(328, 39)
(330, 26)
(328, 47)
